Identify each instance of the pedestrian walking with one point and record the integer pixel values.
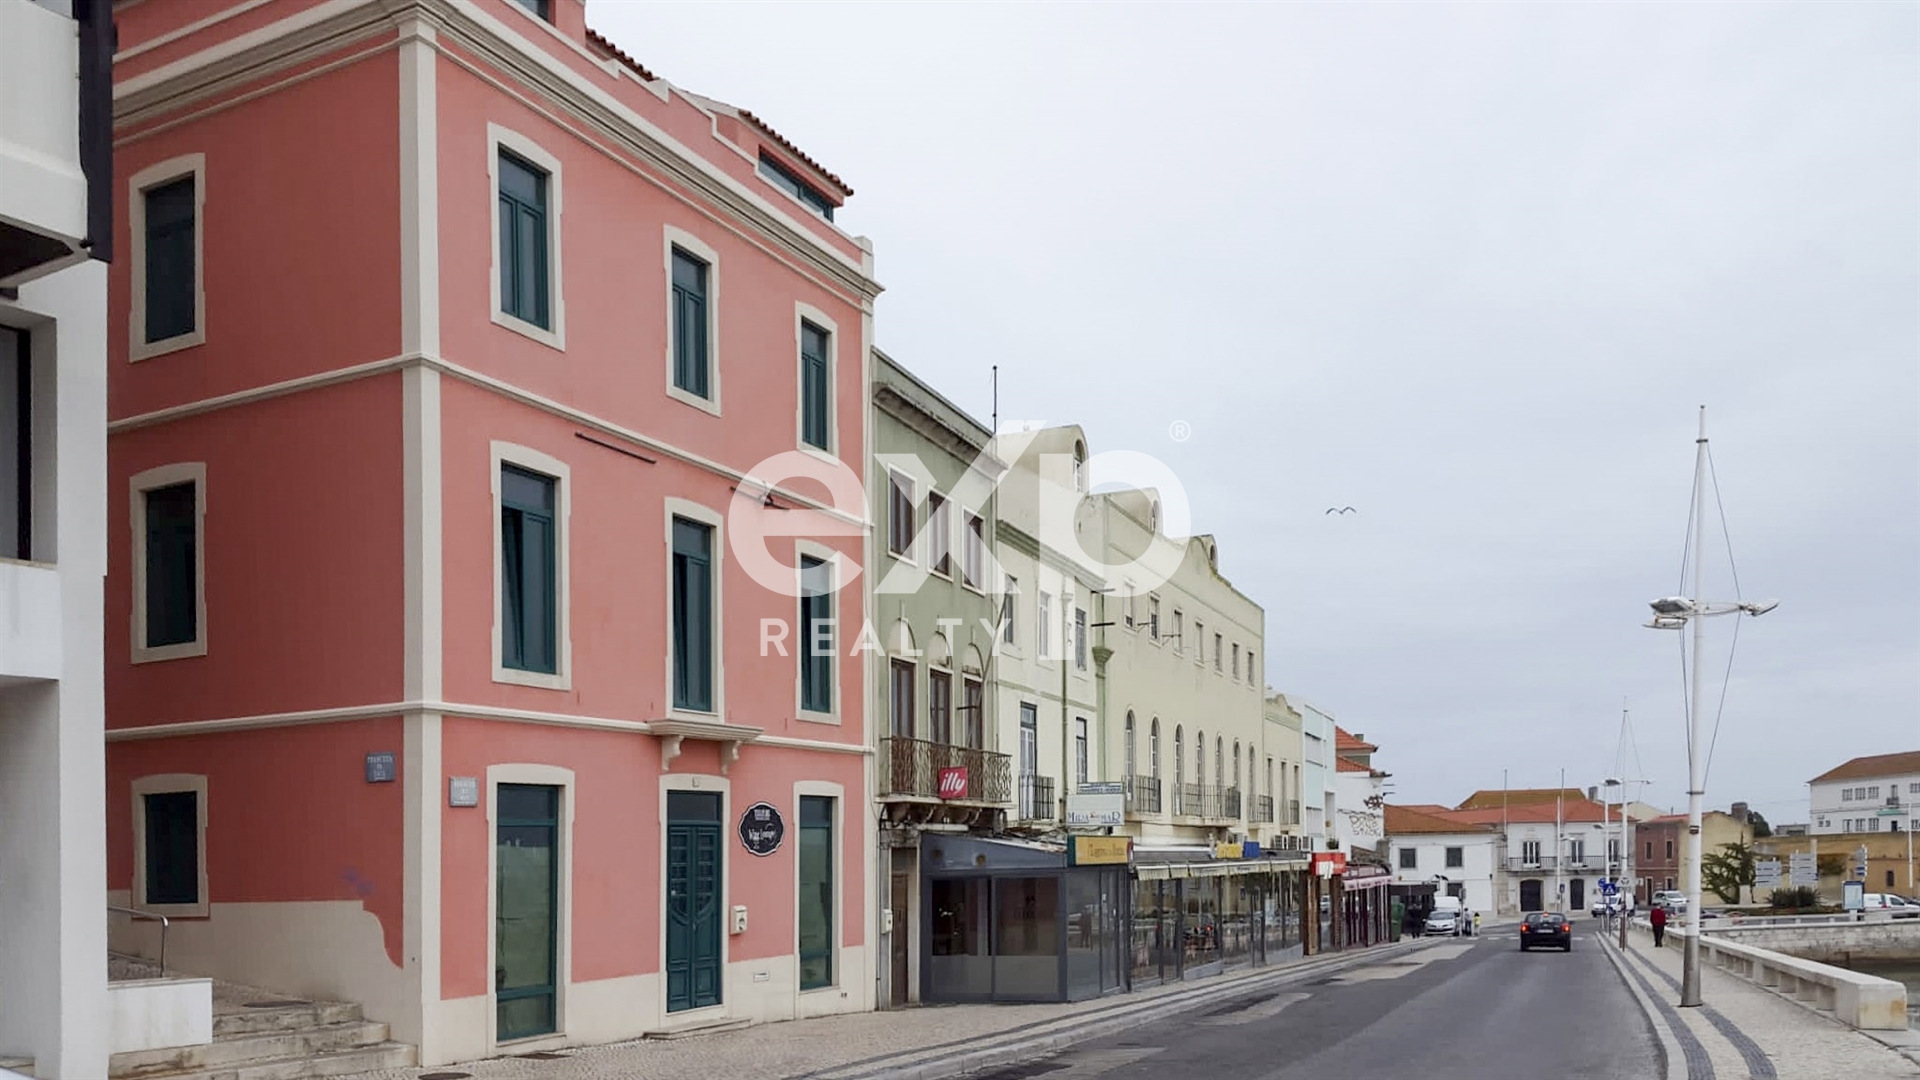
(1659, 920)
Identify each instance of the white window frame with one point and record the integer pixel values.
(831, 991)
(162, 476)
(1153, 619)
(832, 558)
(503, 138)
(153, 176)
(938, 532)
(807, 313)
(678, 238)
(912, 488)
(505, 453)
(163, 784)
(693, 511)
(1009, 635)
(971, 552)
(1179, 632)
(562, 778)
(1043, 635)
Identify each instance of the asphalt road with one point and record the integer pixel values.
(1471, 1008)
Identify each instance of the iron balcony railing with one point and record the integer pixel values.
(1036, 798)
(913, 767)
(1542, 862)
(1230, 805)
(1263, 808)
(1143, 794)
(1202, 800)
(1292, 811)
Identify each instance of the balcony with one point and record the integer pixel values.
(1143, 796)
(1037, 803)
(1550, 863)
(30, 621)
(1230, 803)
(1263, 808)
(1202, 801)
(911, 769)
(55, 173)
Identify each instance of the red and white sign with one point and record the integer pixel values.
(1328, 863)
(953, 782)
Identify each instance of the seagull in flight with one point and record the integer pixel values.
(1341, 510)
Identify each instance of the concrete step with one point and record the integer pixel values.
(237, 1050)
(386, 1055)
(245, 1021)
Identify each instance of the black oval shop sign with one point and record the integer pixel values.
(761, 829)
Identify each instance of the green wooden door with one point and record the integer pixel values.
(526, 909)
(693, 900)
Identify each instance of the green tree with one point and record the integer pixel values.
(1761, 830)
(1724, 871)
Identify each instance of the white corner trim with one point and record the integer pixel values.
(161, 784)
(550, 776)
(804, 313)
(194, 165)
(693, 511)
(498, 138)
(671, 238)
(505, 453)
(194, 472)
(836, 620)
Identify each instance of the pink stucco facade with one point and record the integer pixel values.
(345, 414)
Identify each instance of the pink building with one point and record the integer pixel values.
(443, 336)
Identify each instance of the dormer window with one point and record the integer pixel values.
(540, 9)
(784, 178)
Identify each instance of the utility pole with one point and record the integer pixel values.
(1696, 752)
(1559, 843)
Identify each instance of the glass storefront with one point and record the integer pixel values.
(1199, 919)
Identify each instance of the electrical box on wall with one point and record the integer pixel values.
(739, 918)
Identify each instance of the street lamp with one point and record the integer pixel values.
(1674, 613)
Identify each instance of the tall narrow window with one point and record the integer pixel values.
(973, 551)
(1126, 768)
(1179, 637)
(939, 707)
(973, 706)
(692, 355)
(1007, 614)
(172, 565)
(900, 515)
(172, 844)
(1153, 617)
(816, 892)
(1236, 661)
(1219, 649)
(692, 615)
(816, 392)
(172, 281)
(1153, 749)
(16, 435)
(1080, 638)
(939, 534)
(1080, 754)
(816, 634)
(900, 699)
(523, 241)
(1043, 626)
(527, 582)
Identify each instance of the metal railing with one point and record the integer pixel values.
(150, 917)
(1230, 803)
(1201, 800)
(1036, 798)
(1544, 862)
(1263, 808)
(912, 767)
(1143, 794)
(1293, 813)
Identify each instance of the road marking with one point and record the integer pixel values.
(1086, 1064)
(1414, 962)
(1262, 1011)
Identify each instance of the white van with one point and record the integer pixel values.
(1449, 916)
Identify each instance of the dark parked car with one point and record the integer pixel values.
(1546, 928)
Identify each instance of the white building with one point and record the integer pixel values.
(56, 228)
(1360, 792)
(1458, 858)
(1866, 795)
(1318, 798)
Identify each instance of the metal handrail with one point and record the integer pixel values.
(149, 915)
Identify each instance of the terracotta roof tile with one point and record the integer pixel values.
(1862, 768)
(1347, 740)
(767, 130)
(1405, 820)
(1496, 797)
(606, 45)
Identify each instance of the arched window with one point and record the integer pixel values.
(1219, 762)
(1236, 762)
(1199, 757)
(1179, 768)
(1153, 749)
(1128, 773)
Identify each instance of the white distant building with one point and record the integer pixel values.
(1458, 858)
(1866, 795)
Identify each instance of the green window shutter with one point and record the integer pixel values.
(692, 615)
(691, 358)
(172, 567)
(816, 892)
(529, 588)
(170, 258)
(523, 241)
(815, 393)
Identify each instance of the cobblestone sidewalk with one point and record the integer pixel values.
(1751, 1032)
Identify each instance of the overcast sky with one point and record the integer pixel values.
(1469, 269)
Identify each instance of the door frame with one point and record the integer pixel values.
(838, 793)
(708, 784)
(551, 776)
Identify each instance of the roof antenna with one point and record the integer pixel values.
(996, 399)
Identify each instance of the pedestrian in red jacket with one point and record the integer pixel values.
(1659, 919)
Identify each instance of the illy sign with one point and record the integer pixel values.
(953, 782)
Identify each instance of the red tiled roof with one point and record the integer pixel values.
(1496, 797)
(1346, 740)
(767, 130)
(606, 45)
(1404, 820)
(1862, 768)
(1579, 810)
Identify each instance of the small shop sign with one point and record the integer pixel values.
(1099, 850)
(953, 782)
(380, 768)
(1102, 803)
(762, 829)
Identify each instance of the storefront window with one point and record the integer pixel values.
(1027, 938)
(961, 965)
(1201, 928)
